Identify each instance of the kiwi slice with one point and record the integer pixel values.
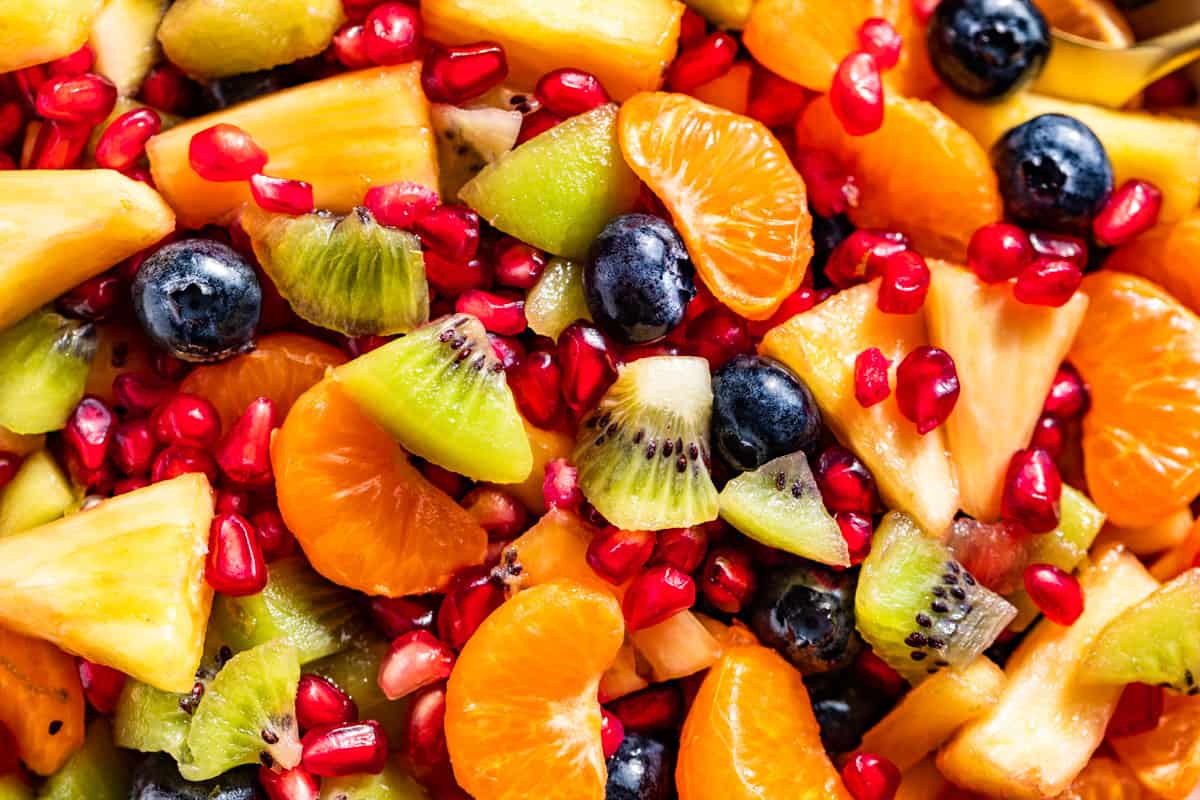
(780, 505)
(349, 274)
(468, 139)
(394, 783)
(442, 392)
(918, 608)
(557, 299)
(247, 714)
(643, 454)
(37, 494)
(152, 721)
(14, 787)
(356, 672)
(44, 362)
(96, 771)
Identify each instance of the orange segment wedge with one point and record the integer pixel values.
(1098, 20)
(1167, 255)
(733, 192)
(39, 684)
(522, 714)
(1167, 759)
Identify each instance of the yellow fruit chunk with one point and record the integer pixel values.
(546, 446)
(62, 227)
(1156, 537)
(731, 91)
(1047, 724)
(36, 31)
(40, 684)
(37, 494)
(676, 647)
(622, 676)
(1167, 759)
(123, 39)
(1179, 558)
(343, 135)
(121, 584)
(1106, 778)
(922, 782)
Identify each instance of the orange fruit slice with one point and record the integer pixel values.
(1105, 778)
(1139, 350)
(522, 714)
(365, 517)
(1166, 255)
(751, 734)
(39, 686)
(733, 192)
(282, 367)
(1098, 20)
(1167, 759)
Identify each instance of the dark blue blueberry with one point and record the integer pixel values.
(198, 300)
(157, 778)
(1054, 174)
(806, 612)
(985, 49)
(638, 280)
(845, 709)
(827, 233)
(761, 411)
(641, 769)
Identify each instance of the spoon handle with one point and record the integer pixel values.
(1178, 48)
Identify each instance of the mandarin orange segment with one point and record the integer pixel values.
(733, 192)
(1167, 759)
(1139, 351)
(751, 734)
(365, 517)
(1105, 778)
(1167, 255)
(804, 40)
(522, 714)
(39, 684)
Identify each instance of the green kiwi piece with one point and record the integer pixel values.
(442, 392)
(918, 608)
(729, 14)
(559, 189)
(643, 454)
(349, 274)
(468, 139)
(557, 299)
(247, 714)
(151, 721)
(44, 362)
(780, 505)
(96, 771)
(394, 783)
(14, 787)
(356, 672)
(37, 494)
(123, 39)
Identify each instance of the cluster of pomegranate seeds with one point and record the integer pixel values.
(612, 732)
(1138, 711)
(998, 252)
(904, 284)
(845, 482)
(871, 777)
(456, 74)
(927, 387)
(657, 593)
(281, 195)
(831, 188)
(473, 594)
(187, 419)
(616, 555)
(871, 377)
(319, 702)
(124, 140)
(728, 580)
(101, 685)
(1056, 593)
(856, 530)
(567, 92)
(225, 153)
(500, 313)
(861, 256)
(235, 565)
(1032, 491)
(883, 42)
(416, 660)
(658, 708)
(351, 748)
(392, 34)
(89, 432)
(292, 784)
(1131, 211)
(856, 94)
(450, 230)
(1048, 282)
(701, 62)
(560, 485)
(425, 742)
(76, 99)
(589, 365)
(400, 204)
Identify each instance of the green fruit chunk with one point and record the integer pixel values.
(123, 39)
(643, 453)
(468, 139)
(349, 274)
(37, 494)
(96, 771)
(918, 608)
(732, 14)
(442, 393)
(558, 190)
(44, 362)
(356, 672)
(394, 783)
(557, 299)
(14, 787)
(151, 721)
(780, 505)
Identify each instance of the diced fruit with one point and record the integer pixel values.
(627, 45)
(921, 782)
(962, 47)
(546, 447)
(913, 471)
(525, 192)
(1167, 759)
(40, 32)
(157, 777)
(809, 60)
(343, 134)
(122, 347)
(675, 648)
(123, 39)
(1006, 354)
(356, 672)
(151, 721)
(1159, 255)
(67, 226)
(37, 494)
(1016, 748)
(724, 13)
(731, 91)
(468, 139)
(557, 299)
(761, 411)
(1172, 530)
(394, 783)
(39, 689)
(97, 771)
(806, 613)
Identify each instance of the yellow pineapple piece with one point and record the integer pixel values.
(627, 45)
(62, 227)
(343, 134)
(622, 676)
(730, 91)
(922, 782)
(121, 584)
(36, 31)
(676, 647)
(123, 39)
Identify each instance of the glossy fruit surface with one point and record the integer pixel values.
(986, 49)
(806, 612)
(640, 769)
(761, 411)
(1167, 759)
(39, 685)
(1159, 255)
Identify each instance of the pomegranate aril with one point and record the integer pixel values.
(12, 120)
(871, 777)
(274, 538)
(1049, 435)
(415, 661)
(232, 501)
(225, 152)
(235, 565)
(1068, 396)
(140, 394)
(101, 685)
(319, 702)
(1175, 89)
(861, 256)
(845, 482)
(245, 454)
(124, 140)
(452, 278)
(1056, 593)
(904, 284)
(452, 231)
(179, 459)
(774, 101)
(9, 464)
(76, 99)
(392, 34)
(871, 377)
(1032, 491)
(97, 481)
(692, 28)
(1138, 711)
(95, 299)
(588, 362)
(59, 145)
(508, 349)
(77, 63)
(682, 548)
(560, 485)
(28, 80)
(927, 387)
(351, 748)
(1059, 247)
(500, 313)
(167, 88)
(874, 671)
(449, 482)
(856, 530)
(1047, 282)
(718, 335)
(856, 94)
(89, 432)
(425, 744)
(296, 783)
(612, 732)
(616, 554)
(400, 204)
(518, 265)
(395, 616)
(706, 60)
(281, 195)
(831, 189)
(998, 252)
(658, 708)
(134, 447)
(187, 419)
(456, 74)
(797, 302)
(567, 92)
(470, 598)
(1131, 210)
(536, 384)
(877, 37)
(657, 594)
(496, 511)
(536, 124)
(728, 580)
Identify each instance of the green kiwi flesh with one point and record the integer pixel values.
(780, 505)
(557, 299)
(356, 672)
(123, 39)
(394, 783)
(44, 362)
(349, 274)
(152, 721)
(1157, 641)
(14, 787)
(37, 494)
(643, 453)
(918, 608)
(468, 139)
(442, 392)
(96, 771)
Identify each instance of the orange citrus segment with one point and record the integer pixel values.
(1139, 350)
(804, 40)
(733, 192)
(751, 734)
(522, 714)
(1098, 20)
(1167, 759)
(39, 684)
(1166, 255)
(365, 517)
(1105, 778)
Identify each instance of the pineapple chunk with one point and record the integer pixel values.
(913, 472)
(622, 676)
(123, 39)
(1047, 724)
(121, 584)
(922, 782)
(36, 31)
(61, 227)
(730, 91)
(343, 134)
(626, 45)
(1006, 353)
(676, 647)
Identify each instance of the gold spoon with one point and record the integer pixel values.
(1091, 72)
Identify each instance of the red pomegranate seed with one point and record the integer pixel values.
(296, 783)
(874, 671)
(187, 419)
(95, 299)
(89, 432)
(905, 283)
(500, 313)
(281, 195)
(449, 482)
(496, 511)
(1171, 90)
(616, 555)
(718, 335)
(536, 124)
(1138, 711)
(392, 34)
(831, 189)
(692, 28)
(350, 48)
(682, 548)
(134, 447)
(10, 761)
(140, 394)
(7, 162)
(452, 278)
(167, 89)
(415, 661)
(856, 94)
(76, 99)
(358, 345)
(1059, 247)
(861, 256)
(856, 530)
(77, 63)
(245, 454)
(536, 384)
(877, 37)
(97, 481)
(1056, 593)
(225, 152)
(1050, 435)
(567, 92)
(508, 349)
(395, 616)
(560, 485)
(101, 685)
(657, 594)
(274, 538)
(124, 140)
(612, 732)
(235, 564)
(452, 231)
(795, 303)
(845, 482)
(425, 744)
(400, 204)
(352, 748)
(588, 363)
(1047, 282)
(1068, 396)
(728, 580)
(927, 387)
(233, 501)
(999, 251)
(871, 377)
(9, 464)
(59, 145)
(1131, 211)
(456, 74)
(871, 777)
(471, 597)
(923, 9)
(517, 264)
(655, 709)
(179, 459)
(707, 60)
(169, 367)
(12, 120)
(774, 101)
(1032, 490)
(319, 702)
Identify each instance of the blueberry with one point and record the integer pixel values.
(222, 93)
(761, 411)
(827, 233)
(985, 49)
(638, 280)
(641, 769)
(806, 612)
(157, 778)
(1054, 174)
(198, 300)
(845, 709)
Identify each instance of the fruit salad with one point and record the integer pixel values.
(564, 400)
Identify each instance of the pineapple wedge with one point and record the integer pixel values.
(922, 782)
(123, 39)
(61, 227)
(343, 134)
(36, 31)
(121, 584)
(1046, 726)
